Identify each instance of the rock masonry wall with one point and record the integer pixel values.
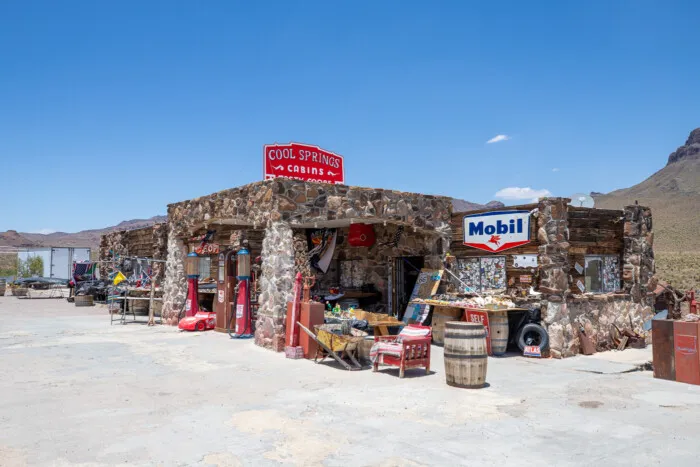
(563, 313)
(148, 242)
(297, 202)
(276, 284)
(638, 255)
(175, 285)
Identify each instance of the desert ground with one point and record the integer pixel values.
(76, 390)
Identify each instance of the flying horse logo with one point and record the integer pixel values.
(495, 239)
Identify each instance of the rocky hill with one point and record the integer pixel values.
(85, 238)
(673, 193)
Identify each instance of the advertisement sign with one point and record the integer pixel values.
(302, 162)
(532, 351)
(207, 249)
(497, 231)
(480, 317)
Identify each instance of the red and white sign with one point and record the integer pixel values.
(302, 162)
(207, 249)
(497, 230)
(480, 317)
(532, 351)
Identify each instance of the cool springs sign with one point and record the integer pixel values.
(303, 162)
(497, 231)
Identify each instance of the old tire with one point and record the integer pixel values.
(533, 334)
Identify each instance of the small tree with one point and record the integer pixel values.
(32, 266)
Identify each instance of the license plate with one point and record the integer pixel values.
(532, 351)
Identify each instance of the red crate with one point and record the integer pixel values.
(686, 355)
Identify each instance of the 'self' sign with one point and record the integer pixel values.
(302, 162)
(497, 231)
(480, 317)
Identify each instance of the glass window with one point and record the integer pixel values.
(204, 267)
(602, 273)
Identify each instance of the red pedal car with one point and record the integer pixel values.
(202, 321)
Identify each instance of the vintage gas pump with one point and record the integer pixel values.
(225, 290)
(244, 324)
(192, 271)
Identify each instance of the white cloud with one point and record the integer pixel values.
(498, 139)
(555, 169)
(44, 231)
(522, 194)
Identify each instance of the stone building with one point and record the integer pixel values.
(147, 242)
(582, 267)
(274, 216)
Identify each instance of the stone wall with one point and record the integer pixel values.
(596, 314)
(175, 285)
(553, 258)
(276, 283)
(147, 242)
(638, 255)
(297, 203)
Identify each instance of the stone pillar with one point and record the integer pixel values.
(175, 284)
(553, 235)
(301, 253)
(638, 254)
(276, 283)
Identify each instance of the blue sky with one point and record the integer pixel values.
(111, 110)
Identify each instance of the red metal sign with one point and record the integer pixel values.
(480, 317)
(302, 162)
(207, 249)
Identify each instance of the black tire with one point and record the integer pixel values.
(533, 334)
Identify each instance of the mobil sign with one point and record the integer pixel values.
(497, 230)
(302, 162)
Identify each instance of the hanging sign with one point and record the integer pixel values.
(497, 230)
(302, 162)
(207, 249)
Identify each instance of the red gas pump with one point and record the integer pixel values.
(192, 271)
(244, 322)
(693, 303)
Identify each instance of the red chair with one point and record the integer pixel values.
(410, 349)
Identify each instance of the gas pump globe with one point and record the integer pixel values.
(244, 322)
(243, 258)
(192, 272)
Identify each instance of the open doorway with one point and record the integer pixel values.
(406, 271)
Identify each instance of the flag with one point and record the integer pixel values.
(118, 278)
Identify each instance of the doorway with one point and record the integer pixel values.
(406, 271)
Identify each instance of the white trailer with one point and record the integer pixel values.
(58, 261)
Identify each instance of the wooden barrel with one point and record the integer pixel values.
(3, 285)
(441, 315)
(84, 300)
(465, 354)
(498, 326)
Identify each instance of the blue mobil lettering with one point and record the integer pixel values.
(501, 228)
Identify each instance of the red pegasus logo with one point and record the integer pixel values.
(495, 239)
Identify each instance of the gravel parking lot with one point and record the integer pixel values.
(79, 391)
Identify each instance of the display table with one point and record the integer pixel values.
(123, 299)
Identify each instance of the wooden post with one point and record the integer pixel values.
(151, 312)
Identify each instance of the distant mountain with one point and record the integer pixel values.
(673, 193)
(84, 238)
(459, 205)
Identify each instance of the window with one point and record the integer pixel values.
(204, 267)
(482, 273)
(602, 273)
